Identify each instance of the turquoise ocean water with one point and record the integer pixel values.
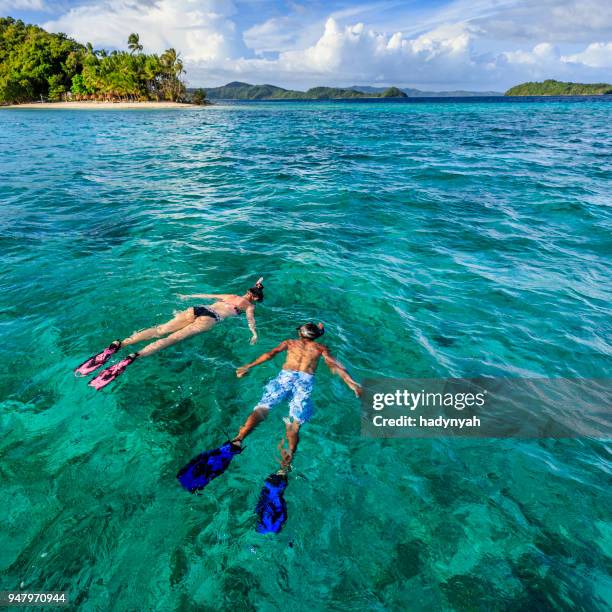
(433, 239)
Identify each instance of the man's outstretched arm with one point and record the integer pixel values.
(337, 368)
(242, 371)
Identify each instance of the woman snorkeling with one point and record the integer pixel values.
(185, 324)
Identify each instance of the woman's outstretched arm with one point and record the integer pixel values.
(250, 315)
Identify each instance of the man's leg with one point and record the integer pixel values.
(300, 410)
(275, 391)
(255, 418)
(292, 431)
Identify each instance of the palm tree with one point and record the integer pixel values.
(172, 65)
(134, 43)
(173, 62)
(150, 74)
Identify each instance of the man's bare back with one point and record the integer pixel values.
(303, 355)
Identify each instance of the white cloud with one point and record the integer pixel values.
(200, 29)
(596, 55)
(541, 54)
(9, 6)
(559, 21)
(273, 35)
(277, 34)
(546, 56)
(544, 61)
(354, 53)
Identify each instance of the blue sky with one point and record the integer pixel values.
(438, 44)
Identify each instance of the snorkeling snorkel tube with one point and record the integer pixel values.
(311, 331)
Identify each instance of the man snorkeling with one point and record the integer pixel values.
(294, 382)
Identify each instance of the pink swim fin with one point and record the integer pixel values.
(93, 363)
(112, 372)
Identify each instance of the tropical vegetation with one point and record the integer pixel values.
(551, 87)
(35, 64)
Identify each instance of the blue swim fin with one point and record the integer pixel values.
(272, 507)
(207, 466)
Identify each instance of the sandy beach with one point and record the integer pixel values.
(103, 105)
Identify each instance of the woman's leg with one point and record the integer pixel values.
(181, 320)
(108, 375)
(201, 324)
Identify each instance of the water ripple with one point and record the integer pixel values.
(432, 239)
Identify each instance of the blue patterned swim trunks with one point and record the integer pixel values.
(294, 385)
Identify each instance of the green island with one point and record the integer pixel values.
(244, 91)
(36, 65)
(550, 87)
(411, 92)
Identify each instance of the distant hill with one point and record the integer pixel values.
(551, 87)
(393, 92)
(418, 93)
(245, 91)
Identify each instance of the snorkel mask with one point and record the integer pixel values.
(257, 290)
(311, 331)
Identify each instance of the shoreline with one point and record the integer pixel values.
(102, 105)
